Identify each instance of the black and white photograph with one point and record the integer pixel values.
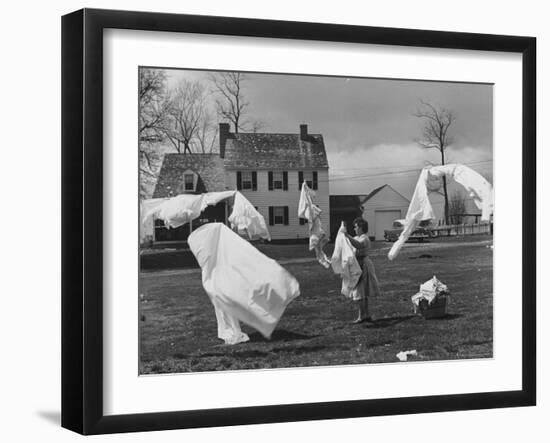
(275, 221)
(292, 221)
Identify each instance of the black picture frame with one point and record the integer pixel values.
(82, 218)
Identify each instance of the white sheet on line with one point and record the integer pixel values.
(182, 209)
(247, 220)
(148, 223)
(420, 207)
(312, 213)
(243, 284)
(344, 262)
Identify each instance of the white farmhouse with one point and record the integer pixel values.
(267, 168)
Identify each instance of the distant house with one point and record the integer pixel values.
(381, 207)
(267, 168)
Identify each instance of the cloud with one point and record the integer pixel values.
(359, 171)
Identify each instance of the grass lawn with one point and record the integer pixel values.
(178, 331)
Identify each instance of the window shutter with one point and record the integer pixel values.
(285, 181)
(254, 181)
(270, 180)
(271, 216)
(239, 180)
(314, 179)
(300, 179)
(286, 215)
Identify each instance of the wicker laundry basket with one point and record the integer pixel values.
(438, 308)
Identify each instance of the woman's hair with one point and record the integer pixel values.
(362, 223)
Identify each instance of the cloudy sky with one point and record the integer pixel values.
(368, 124)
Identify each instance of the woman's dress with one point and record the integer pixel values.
(367, 286)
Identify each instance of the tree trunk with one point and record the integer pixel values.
(445, 194)
(446, 200)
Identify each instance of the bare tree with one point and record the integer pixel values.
(435, 135)
(231, 103)
(153, 111)
(152, 103)
(457, 207)
(256, 126)
(187, 115)
(206, 136)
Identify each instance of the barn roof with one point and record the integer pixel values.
(373, 193)
(377, 190)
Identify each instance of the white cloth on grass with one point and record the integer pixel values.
(420, 207)
(312, 213)
(243, 284)
(345, 263)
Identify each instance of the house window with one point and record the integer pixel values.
(310, 177)
(247, 180)
(278, 180)
(278, 215)
(189, 179)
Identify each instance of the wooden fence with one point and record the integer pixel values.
(464, 229)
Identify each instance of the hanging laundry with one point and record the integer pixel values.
(247, 220)
(345, 263)
(312, 213)
(420, 207)
(182, 209)
(146, 231)
(177, 211)
(477, 187)
(243, 284)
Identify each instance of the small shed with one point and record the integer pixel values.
(381, 207)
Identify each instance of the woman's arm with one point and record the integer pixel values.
(355, 243)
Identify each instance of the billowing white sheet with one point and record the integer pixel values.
(420, 207)
(345, 263)
(179, 210)
(242, 283)
(247, 220)
(312, 213)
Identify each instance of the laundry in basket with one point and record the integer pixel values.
(432, 299)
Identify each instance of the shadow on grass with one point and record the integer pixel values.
(280, 335)
(254, 353)
(445, 317)
(389, 321)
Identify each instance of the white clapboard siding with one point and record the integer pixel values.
(387, 199)
(263, 198)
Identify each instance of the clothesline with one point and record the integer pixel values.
(184, 208)
(430, 177)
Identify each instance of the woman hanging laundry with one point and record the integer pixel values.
(367, 285)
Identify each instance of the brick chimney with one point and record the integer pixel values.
(303, 132)
(224, 135)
